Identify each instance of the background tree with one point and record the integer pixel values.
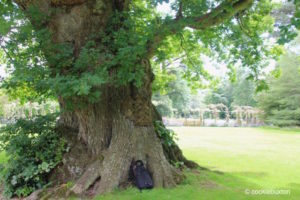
(177, 95)
(180, 94)
(237, 92)
(163, 105)
(281, 102)
(219, 95)
(172, 93)
(94, 57)
(243, 90)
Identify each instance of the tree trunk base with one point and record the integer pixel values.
(104, 172)
(128, 142)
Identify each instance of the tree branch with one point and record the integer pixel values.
(217, 16)
(220, 14)
(179, 14)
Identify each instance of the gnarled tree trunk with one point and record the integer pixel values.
(111, 134)
(105, 136)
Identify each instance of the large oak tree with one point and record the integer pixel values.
(94, 57)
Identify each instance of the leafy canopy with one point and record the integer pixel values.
(228, 30)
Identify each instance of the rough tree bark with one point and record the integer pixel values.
(104, 137)
(113, 132)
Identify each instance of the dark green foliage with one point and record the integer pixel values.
(281, 103)
(55, 72)
(168, 136)
(34, 149)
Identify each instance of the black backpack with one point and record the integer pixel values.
(140, 175)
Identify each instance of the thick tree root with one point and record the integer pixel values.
(88, 178)
(174, 155)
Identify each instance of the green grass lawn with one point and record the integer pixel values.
(238, 159)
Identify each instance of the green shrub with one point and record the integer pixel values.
(34, 149)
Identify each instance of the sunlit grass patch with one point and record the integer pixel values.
(238, 159)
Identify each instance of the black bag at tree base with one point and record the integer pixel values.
(141, 175)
